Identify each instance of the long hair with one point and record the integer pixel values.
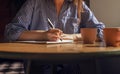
(78, 3)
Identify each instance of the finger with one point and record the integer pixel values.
(55, 30)
(52, 36)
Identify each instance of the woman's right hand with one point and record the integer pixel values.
(53, 34)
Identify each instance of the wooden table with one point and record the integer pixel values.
(56, 53)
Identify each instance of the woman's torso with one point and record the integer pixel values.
(67, 20)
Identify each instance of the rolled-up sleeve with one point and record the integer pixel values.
(21, 21)
(89, 20)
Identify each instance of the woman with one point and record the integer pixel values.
(68, 16)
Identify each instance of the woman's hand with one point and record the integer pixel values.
(53, 34)
(75, 37)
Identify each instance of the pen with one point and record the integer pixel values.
(51, 25)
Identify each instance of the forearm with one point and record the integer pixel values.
(32, 35)
(75, 37)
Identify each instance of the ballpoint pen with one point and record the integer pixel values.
(51, 25)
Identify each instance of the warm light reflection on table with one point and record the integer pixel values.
(77, 47)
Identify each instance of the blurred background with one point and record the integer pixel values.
(8, 9)
(107, 11)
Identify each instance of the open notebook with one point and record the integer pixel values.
(47, 42)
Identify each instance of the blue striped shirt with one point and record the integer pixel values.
(34, 13)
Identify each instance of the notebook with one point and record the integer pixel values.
(47, 42)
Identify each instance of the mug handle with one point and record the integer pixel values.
(119, 29)
(117, 43)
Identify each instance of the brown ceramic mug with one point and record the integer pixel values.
(89, 35)
(112, 36)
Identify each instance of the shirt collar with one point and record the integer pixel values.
(69, 0)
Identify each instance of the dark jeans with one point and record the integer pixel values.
(110, 65)
(84, 67)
